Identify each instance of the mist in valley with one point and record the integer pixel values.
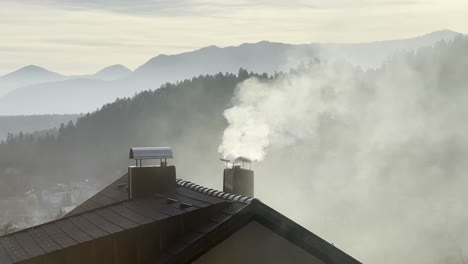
(24, 86)
(371, 160)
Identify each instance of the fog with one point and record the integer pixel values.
(373, 161)
(370, 160)
(92, 91)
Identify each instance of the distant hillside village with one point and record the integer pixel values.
(35, 206)
(361, 162)
(151, 215)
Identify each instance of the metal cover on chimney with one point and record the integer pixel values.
(235, 159)
(151, 153)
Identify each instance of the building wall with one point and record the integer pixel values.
(255, 243)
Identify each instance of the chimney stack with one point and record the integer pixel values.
(237, 178)
(148, 180)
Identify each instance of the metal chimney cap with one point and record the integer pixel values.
(151, 153)
(236, 159)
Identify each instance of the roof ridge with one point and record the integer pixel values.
(215, 193)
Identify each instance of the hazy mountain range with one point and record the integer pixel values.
(32, 75)
(34, 90)
(384, 157)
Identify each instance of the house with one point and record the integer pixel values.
(149, 216)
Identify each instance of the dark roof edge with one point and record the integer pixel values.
(212, 238)
(215, 193)
(299, 235)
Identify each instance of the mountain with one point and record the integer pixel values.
(411, 167)
(371, 55)
(78, 96)
(26, 76)
(64, 97)
(269, 57)
(170, 114)
(34, 75)
(114, 72)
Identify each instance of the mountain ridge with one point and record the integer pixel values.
(32, 75)
(31, 69)
(261, 57)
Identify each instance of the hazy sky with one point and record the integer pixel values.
(77, 37)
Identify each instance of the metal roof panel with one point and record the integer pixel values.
(4, 257)
(43, 239)
(88, 227)
(13, 249)
(129, 214)
(73, 231)
(102, 223)
(28, 244)
(58, 235)
(116, 219)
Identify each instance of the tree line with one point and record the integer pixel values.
(185, 115)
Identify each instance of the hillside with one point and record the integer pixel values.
(269, 57)
(29, 124)
(257, 57)
(177, 113)
(33, 76)
(381, 153)
(96, 147)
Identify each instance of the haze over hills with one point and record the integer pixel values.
(76, 95)
(269, 57)
(114, 72)
(33, 75)
(26, 76)
(384, 148)
(32, 124)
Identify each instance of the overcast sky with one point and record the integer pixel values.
(83, 36)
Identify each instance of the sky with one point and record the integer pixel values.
(80, 37)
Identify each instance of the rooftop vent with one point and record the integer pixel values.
(149, 180)
(238, 177)
(183, 205)
(171, 201)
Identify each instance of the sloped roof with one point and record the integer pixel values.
(211, 217)
(233, 217)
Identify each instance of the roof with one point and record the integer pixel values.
(150, 153)
(197, 218)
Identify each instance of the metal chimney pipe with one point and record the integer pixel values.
(236, 178)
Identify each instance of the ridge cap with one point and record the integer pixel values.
(215, 193)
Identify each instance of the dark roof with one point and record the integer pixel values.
(209, 217)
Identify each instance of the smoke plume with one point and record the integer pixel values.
(373, 161)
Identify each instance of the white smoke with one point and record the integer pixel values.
(373, 161)
(286, 110)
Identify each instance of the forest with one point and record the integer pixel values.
(95, 147)
(379, 153)
(31, 124)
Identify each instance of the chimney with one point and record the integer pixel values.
(148, 180)
(237, 178)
